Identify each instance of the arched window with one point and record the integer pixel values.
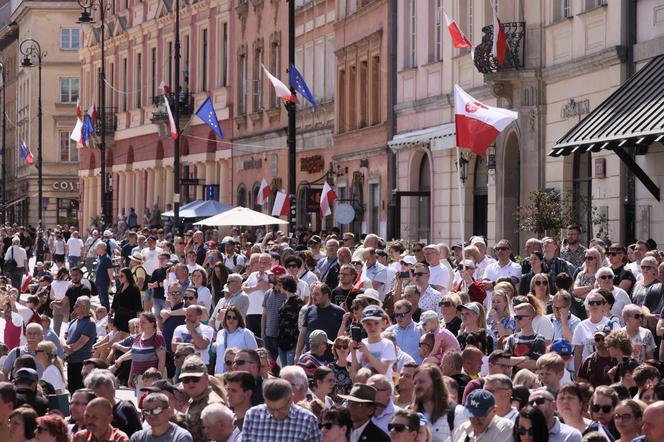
(254, 194)
(424, 202)
(242, 195)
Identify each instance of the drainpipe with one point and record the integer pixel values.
(629, 209)
(393, 224)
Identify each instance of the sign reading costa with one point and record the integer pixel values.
(66, 186)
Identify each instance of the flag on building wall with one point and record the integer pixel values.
(281, 204)
(207, 114)
(327, 197)
(458, 38)
(77, 132)
(478, 125)
(263, 193)
(87, 131)
(280, 88)
(26, 155)
(164, 87)
(297, 82)
(499, 49)
(92, 112)
(79, 111)
(171, 121)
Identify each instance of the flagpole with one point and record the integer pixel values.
(459, 193)
(290, 106)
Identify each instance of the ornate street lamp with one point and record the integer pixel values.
(30, 48)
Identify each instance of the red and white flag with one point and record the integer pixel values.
(499, 48)
(327, 197)
(280, 88)
(171, 120)
(458, 39)
(263, 193)
(92, 111)
(281, 204)
(79, 111)
(163, 86)
(478, 125)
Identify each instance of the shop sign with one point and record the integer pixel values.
(312, 199)
(66, 186)
(313, 164)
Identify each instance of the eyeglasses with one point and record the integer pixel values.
(623, 417)
(41, 428)
(589, 258)
(605, 277)
(539, 401)
(174, 293)
(155, 411)
(326, 425)
(341, 347)
(501, 249)
(596, 302)
(599, 338)
(525, 431)
(420, 273)
(520, 317)
(399, 428)
(40, 351)
(614, 253)
(595, 408)
(543, 282)
(401, 315)
(189, 380)
(231, 318)
(444, 304)
(417, 250)
(189, 298)
(637, 316)
(292, 266)
(241, 362)
(646, 267)
(424, 344)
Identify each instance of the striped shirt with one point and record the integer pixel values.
(144, 353)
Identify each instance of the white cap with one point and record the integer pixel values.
(477, 240)
(409, 260)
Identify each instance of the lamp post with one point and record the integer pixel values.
(176, 117)
(3, 213)
(86, 19)
(31, 48)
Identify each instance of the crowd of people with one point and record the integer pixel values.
(258, 336)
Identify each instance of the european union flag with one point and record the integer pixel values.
(209, 116)
(87, 130)
(297, 82)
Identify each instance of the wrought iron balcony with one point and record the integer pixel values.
(186, 103)
(111, 120)
(515, 32)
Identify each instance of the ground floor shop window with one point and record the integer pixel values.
(67, 211)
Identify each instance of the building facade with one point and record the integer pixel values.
(139, 59)
(53, 25)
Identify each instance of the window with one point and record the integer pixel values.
(70, 38)
(170, 63)
(330, 67)
(375, 90)
(185, 66)
(319, 68)
(592, 4)
(242, 196)
(561, 9)
(68, 211)
(275, 57)
(352, 98)
(258, 80)
(374, 204)
(153, 72)
(204, 60)
(223, 59)
(69, 90)
(138, 92)
(111, 93)
(242, 90)
(68, 149)
(125, 84)
(412, 32)
(437, 31)
(365, 90)
(342, 101)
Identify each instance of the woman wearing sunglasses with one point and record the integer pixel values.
(540, 288)
(340, 367)
(604, 278)
(585, 280)
(233, 333)
(335, 424)
(572, 400)
(602, 407)
(404, 427)
(530, 426)
(627, 416)
(537, 266)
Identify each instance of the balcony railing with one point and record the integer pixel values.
(186, 102)
(515, 32)
(111, 120)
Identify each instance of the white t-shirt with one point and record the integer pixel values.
(52, 376)
(543, 326)
(622, 299)
(480, 267)
(181, 334)
(255, 297)
(440, 276)
(60, 288)
(642, 342)
(75, 245)
(382, 350)
(236, 260)
(205, 297)
(584, 334)
(494, 272)
(101, 326)
(150, 259)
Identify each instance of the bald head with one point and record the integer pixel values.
(653, 422)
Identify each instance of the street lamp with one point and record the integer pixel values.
(31, 48)
(86, 19)
(4, 152)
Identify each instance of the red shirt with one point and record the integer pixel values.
(114, 435)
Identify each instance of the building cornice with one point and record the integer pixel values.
(591, 63)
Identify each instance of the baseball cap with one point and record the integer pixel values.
(562, 347)
(479, 402)
(411, 260)
(136, 256)
(603, 331)
(372, 313)
(371, 294)
(108, 233)
(151, 238)
(26, 375)
(457, 245)
(428, 315)
(228, 240)
(278, 270)
(318, 337)
(161, 385)
(193, 368)
(477, 240)
(470, 306)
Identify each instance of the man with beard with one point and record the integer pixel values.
(573, 252)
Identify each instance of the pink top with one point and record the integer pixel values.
(448, 342)
(12, 334)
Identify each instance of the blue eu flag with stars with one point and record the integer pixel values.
(297, 82)
(209, 116)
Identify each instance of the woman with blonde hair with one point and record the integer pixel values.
(541, 324)
(448, 307)
(474, 328)
(585, 280)
(540, 288)
(526, 378)
(47, 355)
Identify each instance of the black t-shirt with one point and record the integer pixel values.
(26, 396)
(126, 253)
(621, 274)
(339, 295)
(158, 276)
(327, 319)
(126, 418)
(75, 292)
(454, 325)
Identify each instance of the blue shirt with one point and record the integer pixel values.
(573, 321)
(563, 433)
(77, 328)
(170, 325)
(408, 339)
(49, 335)
(101, 275)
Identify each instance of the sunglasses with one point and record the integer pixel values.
(189, 298)
(501, 249)
(341, 347)
(543, 282)
(190, 380)
(646, 267)
(154, 411)
(326, 425)
(614, 253)
(231, 318)
(444, 304)
(520, 317)
(589, 258)
(401, 315)
(525, 431)
(605, 408)
(539, 401)
(399, 428)
(241, 362)
(174, 293)
(606, 277)
(293, 266)
(420, 273)
(417, 250)
(596, 302)
(637, 316)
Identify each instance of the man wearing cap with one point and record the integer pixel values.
(196, 385)
(318, 354)
(483, 423)
(157, 411)
(279, 419)
(233, 296)
(25, 382)
(233, 261)
(595, 368)
(558, 432)
(361, 402)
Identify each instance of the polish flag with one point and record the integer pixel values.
(163, 86)
(280, 88)
(458, 39)
(171, 121)
(263, 193)
(92, 111)
(77, 132)
(281, 204)
(478, 125)
(79, 111)
(499, 48)
(327, 197)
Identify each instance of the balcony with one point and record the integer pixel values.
(109, 115)
(486, 63)
(186, 104)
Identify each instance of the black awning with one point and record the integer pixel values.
(630, 117)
